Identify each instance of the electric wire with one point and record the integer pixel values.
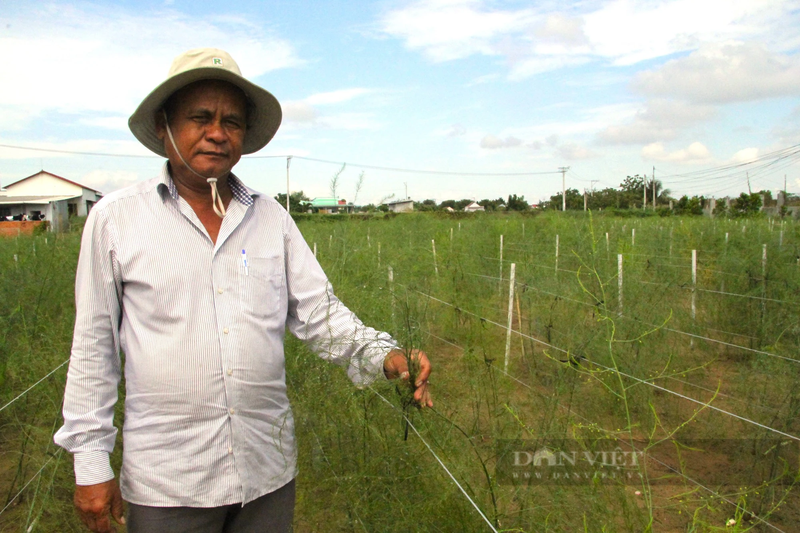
(671, 468)
(53, 456)
(23, 393)
(613, 370)
(411, 425)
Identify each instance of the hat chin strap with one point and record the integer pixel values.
(216, 199)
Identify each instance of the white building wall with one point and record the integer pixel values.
(44, 184)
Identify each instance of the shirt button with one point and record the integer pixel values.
(225, 331)
(230, 371)
(219, 291)
(230, 449)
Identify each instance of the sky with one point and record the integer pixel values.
(434, 99)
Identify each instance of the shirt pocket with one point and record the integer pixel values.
(260, 286)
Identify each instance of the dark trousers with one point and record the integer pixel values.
(270, 513)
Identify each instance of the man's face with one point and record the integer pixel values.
(208, 121)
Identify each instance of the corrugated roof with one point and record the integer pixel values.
(55, 176)
(8, 200)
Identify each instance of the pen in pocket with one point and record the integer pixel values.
(244, 263)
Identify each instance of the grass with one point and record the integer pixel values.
(584, 368)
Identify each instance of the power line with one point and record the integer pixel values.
(328, 161)
(23, 393)
(613, 370)
(672, 469)
(411, 425)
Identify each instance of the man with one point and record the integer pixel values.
(196, 277)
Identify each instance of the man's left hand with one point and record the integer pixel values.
(396, 366)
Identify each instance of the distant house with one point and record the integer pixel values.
(330, 206)
(472, 207)
(47, 194)
(401, 206)
(449, 209)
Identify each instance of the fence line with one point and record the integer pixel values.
(665, 328)
(617, 371)
(37, 474)
(411, 425)
(23, 393)
(728, 396)
(671, 468)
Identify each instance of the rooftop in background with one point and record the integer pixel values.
(44, 172)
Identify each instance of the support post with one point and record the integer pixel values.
(619, 280)
(435, 266)
(288, 162)
(694, 284)
(510, 312)
(315, 249)
(556, 255)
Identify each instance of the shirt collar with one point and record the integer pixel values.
(241, 193)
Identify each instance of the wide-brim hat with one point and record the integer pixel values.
(264, 111)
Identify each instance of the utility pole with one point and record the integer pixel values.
(288, 162)
(563, 171)
(654, 188)
(749, 190)
(644, 192)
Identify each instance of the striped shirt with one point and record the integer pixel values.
(207, 418)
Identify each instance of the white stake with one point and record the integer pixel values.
(451, 234)
(619, 279)
(459, 226)
(606, 242)
(330, 241)
(369, 243)
(510, 311)
(764, 282)
(315, 249)
(391, 290)
(633, 236)
(435, 266)
(501, 261)
(523, 231)
(726, 237)
(694, 284)
(780, 239)
(556, 254)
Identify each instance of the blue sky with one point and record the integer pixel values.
(607, 88)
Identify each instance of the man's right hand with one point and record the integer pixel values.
(95, 502)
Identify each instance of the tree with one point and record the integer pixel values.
(425, 205)
(517, 203)
(296, 201)
(746, 205)
(574, 200)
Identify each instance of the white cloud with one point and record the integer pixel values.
(720, 73)
(571, 152)
(298, 112)
(548, 36)
(560, 28)
(92, 58)
(452, 29)
(456, 130)
(694, 153)
(63, 149)
(336, 97)
(745, 156)
(112, 122)
(490, 142)
(658, 120)
(108, 181)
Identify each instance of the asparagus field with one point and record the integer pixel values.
(591, 373)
